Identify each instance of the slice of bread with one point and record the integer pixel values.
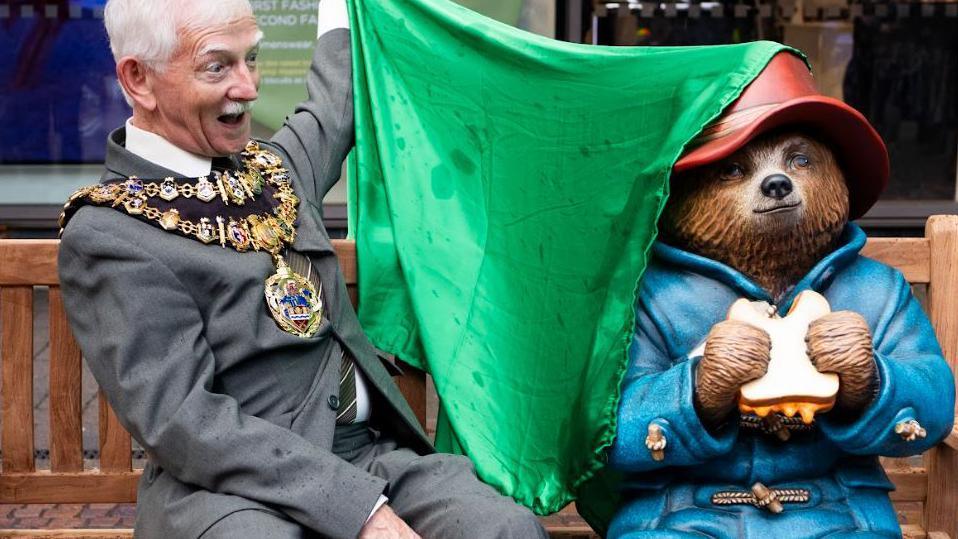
(792, 384)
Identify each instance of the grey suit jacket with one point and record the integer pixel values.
(233, 412)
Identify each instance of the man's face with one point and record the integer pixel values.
(200, 93)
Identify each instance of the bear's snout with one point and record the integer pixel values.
(777, 186)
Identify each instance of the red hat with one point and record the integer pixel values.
(783, 94)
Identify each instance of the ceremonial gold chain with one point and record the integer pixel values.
(293, 301)
(266, 231)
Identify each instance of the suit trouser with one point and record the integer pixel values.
(438, 495)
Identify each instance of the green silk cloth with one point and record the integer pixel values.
(504, 193)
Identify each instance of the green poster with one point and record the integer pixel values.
(289, 35)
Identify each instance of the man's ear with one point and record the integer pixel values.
(134, 77)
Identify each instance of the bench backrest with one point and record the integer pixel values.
(23, 265)
(925, 492)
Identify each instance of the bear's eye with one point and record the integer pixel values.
(732, 171)
(800, 161)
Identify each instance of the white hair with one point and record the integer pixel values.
(148, 30)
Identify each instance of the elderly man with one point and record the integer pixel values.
(208, 301)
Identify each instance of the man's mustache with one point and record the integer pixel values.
(235, 108)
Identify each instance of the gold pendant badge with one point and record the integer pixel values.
(293, 301)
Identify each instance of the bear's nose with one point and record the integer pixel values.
(777, 186)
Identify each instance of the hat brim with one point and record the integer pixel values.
(859, 149)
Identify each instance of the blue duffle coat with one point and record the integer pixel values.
(682, 296)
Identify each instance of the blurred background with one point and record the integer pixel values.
(897, 62)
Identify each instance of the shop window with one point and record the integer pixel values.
(58, 93)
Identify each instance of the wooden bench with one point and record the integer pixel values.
(926, 495)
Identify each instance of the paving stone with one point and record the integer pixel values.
(66, 510)
(102, 522)
(64, 523)
(67, 516)
(29, 511)
(96, 511)
(124, 510)
(31, 523)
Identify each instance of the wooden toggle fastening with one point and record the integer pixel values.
(656, 442)
(766, 498)
(910, 430)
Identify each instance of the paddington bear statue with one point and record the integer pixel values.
(760, 209)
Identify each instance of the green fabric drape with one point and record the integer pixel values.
(504, 194)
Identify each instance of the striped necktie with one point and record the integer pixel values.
(346, 413)
(348, 405)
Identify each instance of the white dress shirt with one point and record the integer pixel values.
(164, 153)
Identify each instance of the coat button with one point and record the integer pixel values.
(333, 401)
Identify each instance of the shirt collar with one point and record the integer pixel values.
(162, 152)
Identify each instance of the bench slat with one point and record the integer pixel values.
(911, 256)
(16, 312)
(412, 385)
(909, 512)
(66, 402)
(115, 442)
(571, 532)
(913, 532)
(911, 485)
(346, 254)
(29, 263)
(87, 487)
